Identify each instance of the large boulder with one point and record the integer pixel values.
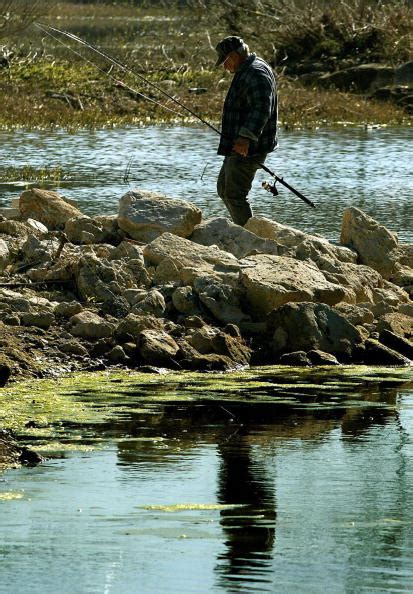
(309, 326)
(189, 260)
(271, 281)
(360, 282)
(157, 347)
(302, 245)
(234, 239)
(364, 78)
(85, 230)
(48, 207)
(221, 300)
(376, 246)
(146, 215)
(404, 74)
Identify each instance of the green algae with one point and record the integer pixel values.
(11, 495)
(177, 507)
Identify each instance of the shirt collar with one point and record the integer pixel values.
(246, 63)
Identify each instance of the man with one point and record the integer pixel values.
(249, 124)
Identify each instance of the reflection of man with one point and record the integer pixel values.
(249, 124)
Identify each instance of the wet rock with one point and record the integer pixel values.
(320, 358)
(311, 326)
(271, 281)
(88, 324)
(48, 207)
(100, 348)
(207, 340)
(146, 215)
(297, 359)
(378, 354)
(68, 309)
(376, 246)
(234, 239)
(190, 358)
(5, 370)
(185, 301)
(157, 347)
(397, 343)
(302, 246)
(152, 304)
(39, 319)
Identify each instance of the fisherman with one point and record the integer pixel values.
(249, 124)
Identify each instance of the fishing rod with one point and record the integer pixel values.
(114, 61)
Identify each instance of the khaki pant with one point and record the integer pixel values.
(235, 181)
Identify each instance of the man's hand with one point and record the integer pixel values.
(241, 146)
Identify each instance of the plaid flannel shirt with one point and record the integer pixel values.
(250, 108)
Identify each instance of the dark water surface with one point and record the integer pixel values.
(371, 169)
(285, 482)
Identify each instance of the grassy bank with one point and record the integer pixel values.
(45, 85)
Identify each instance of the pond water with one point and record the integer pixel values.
(368, 168)
(271, 480)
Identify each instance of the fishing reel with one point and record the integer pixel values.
(271, 188)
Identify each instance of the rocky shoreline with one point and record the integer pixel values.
(156, 285)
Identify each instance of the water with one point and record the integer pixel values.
(297, 483)
(370, 169)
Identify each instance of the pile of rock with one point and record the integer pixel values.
(157, 285)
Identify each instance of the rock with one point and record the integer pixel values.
(88, 324)
(72, 347)
(127, 250)
(14, 229)
(223, 301)
(68, 309)
(133, 325)
(375, 245)
(297, 359)
(48, 207)
(157, 347)
(364, 78)
(191, 260)
(37, 227)
(41, 319)
(398, 323)
(359, 282)
(4, 255)
(117, 356)
(207, 340)
(406, 309)
(311, 326)
(357, 315)
(84, 230)
(406, 254)
(133, 296)
(303, 245)
(36, 251)
(194, 322)
(402, 276)
(153, 304)
(271, 281)
(320, 358)
(11, 320)
(397, 343)
(146, 215)
(5, 370)
(233, 238)
(378, 354)
(190, 358)
(185, 301)
(102, 279)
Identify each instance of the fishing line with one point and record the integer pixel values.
(120, 82)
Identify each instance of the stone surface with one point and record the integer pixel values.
(85, 230)
(318, 357)
(359, 282)
(185, 301)
(309, 326)
(67, 309)
(39, 319)
(398, 323)
(375, 245)
(146, 215)
(190, 260)
(303, 245)
(157, 347)
(221, 300)
(90, 325)
(4, 254)
(378, 354)
(271, 281)
(397, 343)
(132, 326)
(48, 207)
(355, 314)
(404, 74)
(127, 250)
(234, 239)
(297, 359)
(152, 304)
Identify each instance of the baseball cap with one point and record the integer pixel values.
(226, 46)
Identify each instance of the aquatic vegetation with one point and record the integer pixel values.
(10, 495)
(29, 173)
(192, 507)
